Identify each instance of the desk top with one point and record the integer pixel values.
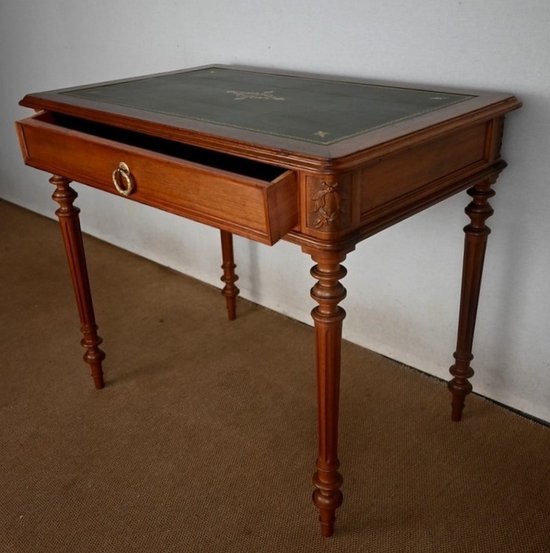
(302, 114)
(300, 108)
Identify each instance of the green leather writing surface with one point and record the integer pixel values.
(305, 109)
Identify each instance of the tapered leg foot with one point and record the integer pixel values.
(475, 242)
(93, 355)
(327, 498)
(328, 317)
(69, 223)
(230, 291)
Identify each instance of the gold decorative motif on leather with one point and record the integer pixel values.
(246, 95)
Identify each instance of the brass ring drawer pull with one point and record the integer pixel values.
(122, 179)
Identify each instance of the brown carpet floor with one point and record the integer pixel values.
(204, 438)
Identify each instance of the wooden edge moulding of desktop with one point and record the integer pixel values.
(319, 161)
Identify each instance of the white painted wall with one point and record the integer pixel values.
(403, 284)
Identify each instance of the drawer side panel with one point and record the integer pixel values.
(407, 171)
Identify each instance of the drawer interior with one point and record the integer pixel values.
(195, 154)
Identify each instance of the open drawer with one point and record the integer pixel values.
(246, 197)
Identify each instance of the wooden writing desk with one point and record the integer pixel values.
(323, 163)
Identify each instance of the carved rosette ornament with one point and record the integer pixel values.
(329, 205)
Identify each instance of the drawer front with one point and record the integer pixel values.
(261, 210)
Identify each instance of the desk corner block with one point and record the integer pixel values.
(331, 206)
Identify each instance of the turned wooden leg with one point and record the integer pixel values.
(67, 213)
(328, 317)
(230, 291)
(475, 242)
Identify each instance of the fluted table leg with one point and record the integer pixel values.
(475, 241)
(230, 291)
(328, 317)
(67, 213)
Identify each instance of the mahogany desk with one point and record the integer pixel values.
(321, 162)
